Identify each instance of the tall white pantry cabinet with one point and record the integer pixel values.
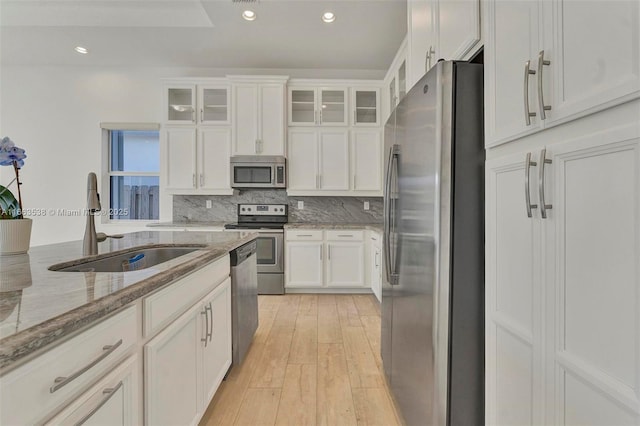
(562, 82)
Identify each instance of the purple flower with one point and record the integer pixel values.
(9, 153)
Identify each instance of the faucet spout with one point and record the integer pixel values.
(90, 241)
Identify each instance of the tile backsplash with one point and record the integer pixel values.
(316, 209)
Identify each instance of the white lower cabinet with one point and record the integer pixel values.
(345, 264)
(178, 384)
(317, 259)
(375, 265)
(562, 286)
(112, 401)
(304, 264)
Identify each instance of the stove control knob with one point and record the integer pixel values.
(249, 209)
(243, 209)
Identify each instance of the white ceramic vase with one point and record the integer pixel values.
(15, 235)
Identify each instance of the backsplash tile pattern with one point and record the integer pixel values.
(316, 209)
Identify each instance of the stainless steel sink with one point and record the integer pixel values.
(124, 262)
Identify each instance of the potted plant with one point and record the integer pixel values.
(15, 230)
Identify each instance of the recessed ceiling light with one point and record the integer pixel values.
(81, 49)
(328, 17)
(249, 15)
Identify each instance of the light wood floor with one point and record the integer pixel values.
(315, 360)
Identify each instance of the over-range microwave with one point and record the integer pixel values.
(258, 171)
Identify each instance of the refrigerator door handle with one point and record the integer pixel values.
(391, 272)
(385, 212)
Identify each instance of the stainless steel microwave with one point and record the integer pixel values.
(258, 171)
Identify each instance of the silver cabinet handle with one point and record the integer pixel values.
(543, 206)
(527, 189)
(201, 115)
(320, 181)
(376, 261)
(108, 393)
(346, 235)
(210, 333)
(194, 180)
(354, 181)
(317, 185)
(201, 179)
(320, 116)
(304, 235)
(256, 146)
(315, 117)
(355, 119)
(193, 115)
(329, 252)
(62, 381)
(321, 252)
(527, 114)
(206, 323)
(541, 63)
(427, 60)
(432, 53)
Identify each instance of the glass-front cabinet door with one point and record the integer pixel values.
(302, 107)
(366, 106)
(333, 107)
(402, 81)
(213, 104)
(181, 104)
(392, 95)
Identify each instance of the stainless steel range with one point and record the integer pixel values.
(268, 220)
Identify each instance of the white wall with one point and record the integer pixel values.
(54, 114)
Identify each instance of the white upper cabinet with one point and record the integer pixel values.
(366, 106)
(366, 148)
(334, 160)
(396, 81)
(594, 57)
(512, 39)
(549, 62)
(188, 103)
(258, 116)
(458, 28)
(213, 102)
(302, 159)
(421, 38)
(180, 158)
(214, 150)
(318, 106)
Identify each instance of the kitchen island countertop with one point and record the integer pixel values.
(39, 306)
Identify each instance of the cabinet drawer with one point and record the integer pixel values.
(112, 401)
(169, 303)
(27, 396)
(345, 235)
(304, 235)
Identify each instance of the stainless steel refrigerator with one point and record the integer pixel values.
(433, 294)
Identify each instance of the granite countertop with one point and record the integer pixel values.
(378, 227)
(39, 306)
(216, 224)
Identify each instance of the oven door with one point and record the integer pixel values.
(270, 252)
(253, 175)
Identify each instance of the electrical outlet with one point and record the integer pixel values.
(366, 205)
(209, 204)
(300, 205)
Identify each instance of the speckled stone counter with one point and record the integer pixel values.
(39, 306)
(378, 227)
(188, 224)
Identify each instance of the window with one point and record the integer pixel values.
(133, 173)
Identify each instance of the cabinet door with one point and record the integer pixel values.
(458, 28)
(245, 119)
(303, 264)
(271, 118)
(512, 297)
(216, 358)
(180, 104)
(511, 39)
(421, 38)
(345, 264)
(334, 159)
(593, 276)
(172, 372)
(214, 151)
(213, 103)
(366, 107)
(302, 159)
(112, 401)
(302, 106)
(366, 148)
(333, 106)
(180, 157)
(593, 50)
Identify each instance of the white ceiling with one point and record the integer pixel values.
(207, 33)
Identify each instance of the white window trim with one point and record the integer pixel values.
(106, 174)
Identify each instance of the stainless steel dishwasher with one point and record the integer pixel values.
(244, 299)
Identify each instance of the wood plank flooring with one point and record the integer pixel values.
(315, 360)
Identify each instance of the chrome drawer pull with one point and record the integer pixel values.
(63, 381)
(543, 206)
(109, 392)
(527, 72)
(527, 189)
